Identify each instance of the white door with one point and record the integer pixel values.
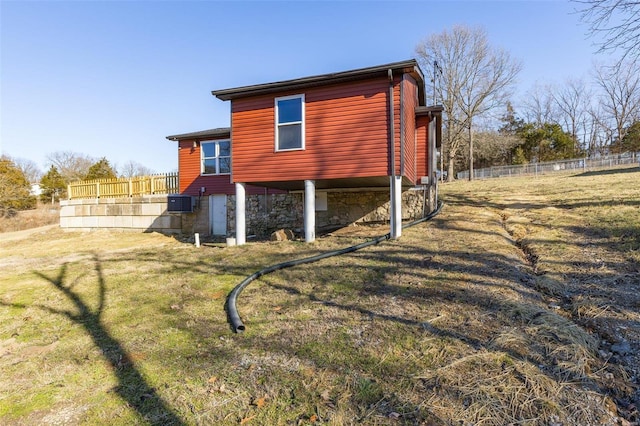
(218, 214)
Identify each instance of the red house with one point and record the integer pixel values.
(323, 140)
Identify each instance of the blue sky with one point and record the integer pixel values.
(113, 79)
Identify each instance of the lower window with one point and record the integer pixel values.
(216, 157)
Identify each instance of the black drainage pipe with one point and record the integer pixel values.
(231, 305)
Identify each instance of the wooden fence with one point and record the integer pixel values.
(124, 187)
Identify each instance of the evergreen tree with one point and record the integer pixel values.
(15, 189)
(52, 185)
(511, 123)
(101, 170)
(631, 139)
(545, 142)
(519, 157)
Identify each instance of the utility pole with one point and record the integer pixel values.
(436, 70)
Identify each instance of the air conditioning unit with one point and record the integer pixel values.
(180, 204)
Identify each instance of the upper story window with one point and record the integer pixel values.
(289, 123)
(216, 157)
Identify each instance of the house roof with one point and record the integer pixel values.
(218, 133)
(409, 66)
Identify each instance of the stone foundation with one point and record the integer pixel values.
(268, 213)
(265, 213)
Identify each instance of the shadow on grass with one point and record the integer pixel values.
(132, 387)
(609, 172)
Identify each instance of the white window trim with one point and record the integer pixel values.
(217, 157)
(277, 125)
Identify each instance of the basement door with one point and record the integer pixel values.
(218, 214)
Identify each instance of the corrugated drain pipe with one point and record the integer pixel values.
(232, 309)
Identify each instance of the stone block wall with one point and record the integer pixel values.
(348, 207)
(147, 214)
(198, 221)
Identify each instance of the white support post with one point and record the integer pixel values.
(241, 223)
(309, 211)
(396, 206)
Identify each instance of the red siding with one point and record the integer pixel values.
(410, 102)
(191, 181)
(189, 172)
(346, 135)
(422, 145)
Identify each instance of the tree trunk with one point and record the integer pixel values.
(470, 153)
(450, 170)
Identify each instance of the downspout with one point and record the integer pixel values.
(395, 181)
(432, 165)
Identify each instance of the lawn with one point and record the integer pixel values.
(519, 303)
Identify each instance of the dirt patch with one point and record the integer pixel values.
(16, 352)
(25, 233)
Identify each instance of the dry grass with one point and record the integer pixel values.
(43, 215)
(502, 310)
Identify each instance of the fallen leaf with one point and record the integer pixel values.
(217, 295)
(277, 308)
(212, 379)
(260, 402)
(247, 420)
(313, 418)
(137, 356)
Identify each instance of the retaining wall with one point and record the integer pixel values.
(146, 213)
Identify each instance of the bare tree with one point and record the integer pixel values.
(538, 105)
(617, 22)
(599, 134)
(475, 78)
(29, 168)
(132, 169)
(620, 99)
(71, 165)
(495, 148)
(572, 102)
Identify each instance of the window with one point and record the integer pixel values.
(290, 123)
(216, 158)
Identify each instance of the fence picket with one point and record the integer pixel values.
(124, 187)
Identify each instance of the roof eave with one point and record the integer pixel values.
(218, 133)
(431, 109)
(409, 66)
